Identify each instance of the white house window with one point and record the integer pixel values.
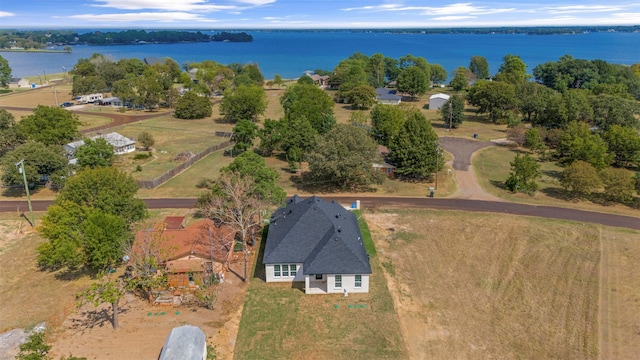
(318, 276)
(338, 281)
(358, 281)
(285, 270)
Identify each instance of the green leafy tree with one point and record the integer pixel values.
(533, 140)
(146, 140)
(344, 157)
(438, 74)
(524, 172)
(150, 88)
(611, 110)
(9, 138)
(624, 144)
(460, 81)
(50, 125)
(636, 178)
(494, 98)
(362, 97)
(243, 103)
(618, 184)
(387, 121)
(414, 149)
(105, 238)
(95, 153)
(298, 137)
(83, 85)
(580, 179)
(244, 133)
(271, 136)
(35, 348)
(265, 185)
(109, 289)
(305, 80)
(5, 72)
(413, 81)
(479, 66)
(193, 106)
(513, 70)
(278, 80)
(453, 112)
(40, 161)
(309, 102)
(531, 99)
(376, 66)
(89, 221)
(579, 143)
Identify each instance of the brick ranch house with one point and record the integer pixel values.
(193, 253)
(319, 243)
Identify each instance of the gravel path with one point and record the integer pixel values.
(462, 150)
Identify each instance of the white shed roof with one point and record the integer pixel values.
(439, 96)
(184, 343)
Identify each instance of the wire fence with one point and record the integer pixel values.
(152, 184)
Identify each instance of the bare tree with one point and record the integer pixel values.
(231, 202)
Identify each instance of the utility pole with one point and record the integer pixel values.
(20, 165)
(56, 95)
(437, 151)
(450, 113)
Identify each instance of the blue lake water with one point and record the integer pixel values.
(290, 53)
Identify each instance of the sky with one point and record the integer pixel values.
(307, 14)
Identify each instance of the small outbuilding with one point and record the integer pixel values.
(387, 96)
(18, 83)
(436, 101)
(185, 342)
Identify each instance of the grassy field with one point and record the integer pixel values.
(281, 322)
(492, 167)
(505, 287)
(172, 137)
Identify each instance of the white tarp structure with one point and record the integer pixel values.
(185, 343)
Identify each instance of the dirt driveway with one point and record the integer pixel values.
(462, 150)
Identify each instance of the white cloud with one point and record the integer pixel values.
(142, 16)
(257, 2)
(6, 14)
(452, 18)
(179, 5)
(582, 9)
(464, 9)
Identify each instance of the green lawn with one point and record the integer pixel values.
(172, 137)
(281, 322)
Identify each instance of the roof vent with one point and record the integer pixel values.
(337, 216)
(339, 230)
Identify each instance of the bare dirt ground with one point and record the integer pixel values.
(495, 286)
(143, 328)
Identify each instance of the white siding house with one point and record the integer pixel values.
(319, 243)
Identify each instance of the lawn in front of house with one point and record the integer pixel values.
(280, 321)
(172, 138)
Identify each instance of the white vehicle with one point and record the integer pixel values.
(91, 98)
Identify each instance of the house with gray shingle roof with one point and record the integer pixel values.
(387, 96)
(318, 242)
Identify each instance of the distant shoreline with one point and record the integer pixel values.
(35, 50)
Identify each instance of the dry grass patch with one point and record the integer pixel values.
(494, 286)
(492, 167)
(30, 296)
